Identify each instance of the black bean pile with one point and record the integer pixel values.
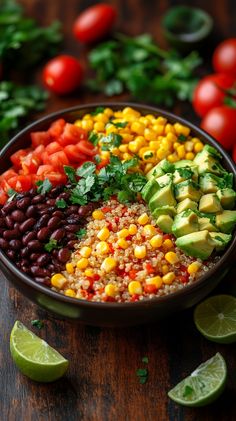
(30, 221)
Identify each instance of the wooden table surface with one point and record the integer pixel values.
(101, 384)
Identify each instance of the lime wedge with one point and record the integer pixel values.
(215, 318)
(34, 357)
(203, 386)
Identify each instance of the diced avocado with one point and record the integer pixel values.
(206, 153)
(164, 210)
(220, 240)
(187, 189)
(164, 179)
(160, 169)
(163, 197)
(209, 183)
(185, 173)
(210, 203)
(226, 221)
(150, 189)
(207, 224)
(212, 166)
(185, 223)
(185, 205)
(227, 198)
(184, 163)
(165, 222)
(197, 244)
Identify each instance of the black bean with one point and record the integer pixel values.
(32, 192)
(34, 245)
(28, 237)
(54, 222)
(15, 244)
(57, 265)
(70, 236)
(72, 228)
(71, 244)
(24, 252)
(84, 210)
(54, 253)
(58, 214)
(25, 269)
(72, 209)
(18, 216)
(51, 268)
(9, 222)
(3, 244)
(9, 207)
(39, 198)
(9, 235)
(31, 211)
(43, 259)
(2, 222)
(27, 225)
(43, 234)
(34, 256)
(24, 262)
(56, 191)
(11, 254)
(58, 234)
(43, 280)
(65, 195)
(23, 203)
(64, 254)
(73, 219)
(38, 271)
(51, 202)
(42, 222)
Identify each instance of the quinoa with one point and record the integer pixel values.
(132, 278)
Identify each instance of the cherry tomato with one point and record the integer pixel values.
(224, 57)
(220, 123)
(94, 22)
(209, 92)
(62, 74)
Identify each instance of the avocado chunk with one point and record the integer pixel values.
(197, 244)
(164, 179)
(163, 197)
(185, 223)
(164, 210)
(187, 189)
(150, 189)
(227, 198)
(209, 183)
(165, 222)
(226, 221)
(220, 240)
(163, 167)
(210, 203)
(185, 173)
(208, 152)
(185, 205)
(206, 224)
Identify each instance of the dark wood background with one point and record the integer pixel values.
(101, 384)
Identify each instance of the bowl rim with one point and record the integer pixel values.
(187, 289)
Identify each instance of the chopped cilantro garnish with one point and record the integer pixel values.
(37, 323)
(188, 390)
(145, 360)
(185, 172)
(97, 110)
(93, 138)
(81, 233)
(120, 124)
(70, 173)
(52, 244)
(97, 159)
(88, 168)
(182, 138)
(142, 373)
(12, 194)
(113, 140)
(43, 186)
(61, 204)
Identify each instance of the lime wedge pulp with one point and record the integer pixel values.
(34, 357)
(215, 318)
(203, 386)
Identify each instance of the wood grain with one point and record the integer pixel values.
(101, 384)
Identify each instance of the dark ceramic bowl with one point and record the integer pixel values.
(113, 314)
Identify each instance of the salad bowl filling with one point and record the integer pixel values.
(117, 206)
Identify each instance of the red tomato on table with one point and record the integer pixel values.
(224, 57)
(220, 122)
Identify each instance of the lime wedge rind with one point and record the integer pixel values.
(203, 386)
(34, 357)
(215, 318)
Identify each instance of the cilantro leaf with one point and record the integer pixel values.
(120, 124)
(81, 233)
(12, 194)
(61, 204)
(93, 138)
(52, 244)
(70, 173)
(113, 140)
(43, 186)
(182, 138)
(88, 168)
(98, 110)
(145, 360)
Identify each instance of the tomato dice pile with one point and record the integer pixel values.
(62, 144)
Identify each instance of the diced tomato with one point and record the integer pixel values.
(150, 268)
(109, 299)
(167, 237)
(45, 169)
(106, 209)
(132, 274)
(87, 148)
(56, 128)
(3, 196)
(20, 183)
(17, 157)
(134, 297)
(117, 219)
(39, 151)
(40, 138)
(183, 278)
(74, 154)
(72, 135)
(45, 158)
(56, 178)
(103, 163)
(58, 160)
(150, 288)
(30, 163)
(8, 174)
(53, 147)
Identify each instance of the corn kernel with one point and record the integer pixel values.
(165, 269)
(140, 252)
(85, 251)
(103, 234)
(132, 229)
(102, 247)
(99, 126)
(70, 293)
(181, 129)
(127, 137)
(194, 267)
(169, 278)
(98, 214)
(108, 264)
(159, 129)
(150, 134)
(148, 167)
(123, 233)
(87, 116)
(108, 112)
(189, 155)
(87, 124)
(166, 144)
(176, 145)
(156, 280)
(110, 128)
(129, 110)
(173, 158)
(135, 287)
(171, 257)
(189, 146)
(149, 230)
(169, 129)
(82, 263)
(78, 123)
(58, 280)
(161, 120)
(89, 272)
(143, 219)
(111, 290)
(171, 137)
(168, 244)
(124, 148)
(137, 127)
(162, 153)
(101, 117)
(115, 151)
(181, 151)
(144, 120)
(122, 243)
(126, 156)
(156, 241)
(104, 154)
(196, 140)
(134, 146)
(198, 147)
(154, 144)
(70, 268)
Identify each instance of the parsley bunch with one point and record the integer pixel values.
(138, 65)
